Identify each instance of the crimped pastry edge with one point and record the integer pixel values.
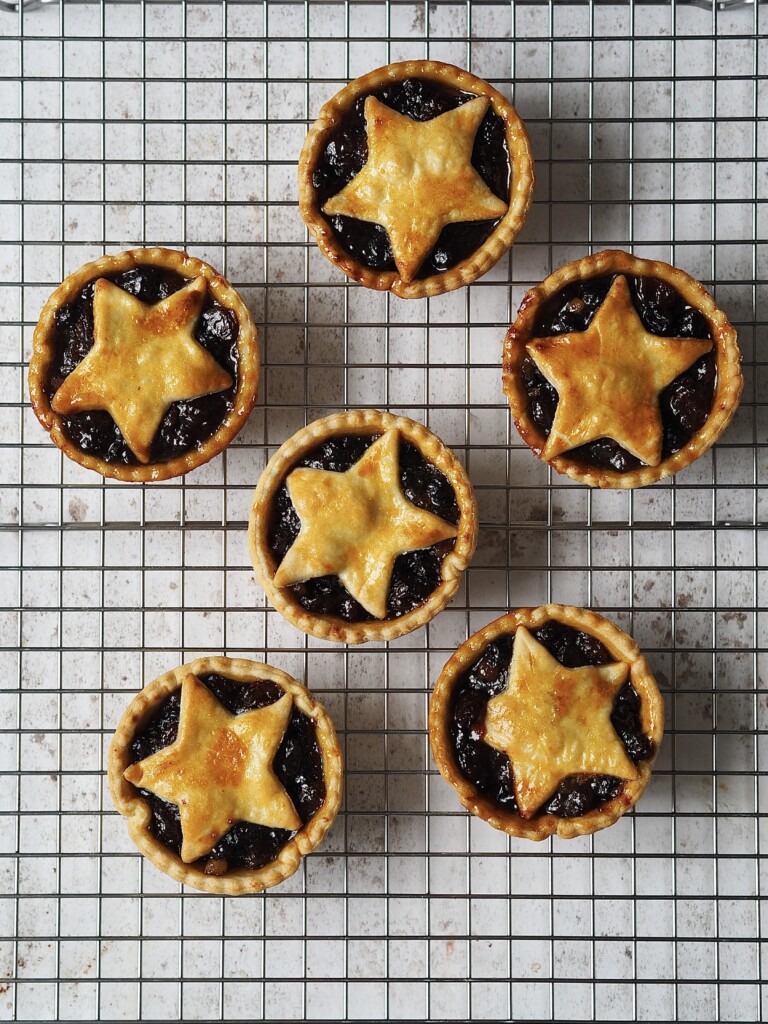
(494, 247)
(248, 369)
(621, 646)
(133, 807)
(361, 421)
(728, 360)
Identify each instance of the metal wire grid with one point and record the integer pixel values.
(180, 124)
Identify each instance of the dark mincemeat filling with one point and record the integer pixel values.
(187, 424)
(298, 765)
(490, 770)
(416, 574)
(346, 153)
(685, 405)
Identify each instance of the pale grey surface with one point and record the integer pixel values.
(411, 909)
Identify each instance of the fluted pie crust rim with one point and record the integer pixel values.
(136, 810)
(362, 422)
(621, 646)
(43, 351)
(522, 180)
(727, 355)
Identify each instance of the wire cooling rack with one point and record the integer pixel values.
(131, 123)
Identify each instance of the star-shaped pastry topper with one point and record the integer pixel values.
(418, 178)
(219, 770)
(143, 359)
(609, 378)
(355, 524)
(553, 721)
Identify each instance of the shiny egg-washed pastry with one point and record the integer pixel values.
(361, 527)
(228, 772)
(547, 722)
(144, 365)
(416, 178)
(621, 371)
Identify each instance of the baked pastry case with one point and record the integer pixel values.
(129, 124)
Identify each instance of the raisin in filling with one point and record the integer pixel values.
(346, 153)
(490, 770)
(298, 765)
(416, 574)
(685, 404)
(187, 424)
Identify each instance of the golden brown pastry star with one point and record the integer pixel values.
(609, 378)
(418, 178)
(143, 359)
(219, 771)
(355, 524)
(553, 721)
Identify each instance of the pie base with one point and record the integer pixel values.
(248, 368)
(131, 804)
(621, 646)
(727, 356)
(494, 247)
(328, 627)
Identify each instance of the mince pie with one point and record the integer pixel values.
(416, 178)
(547, 721)
(361, 527)
(145, 365)
(228, 772)
(620, 371)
